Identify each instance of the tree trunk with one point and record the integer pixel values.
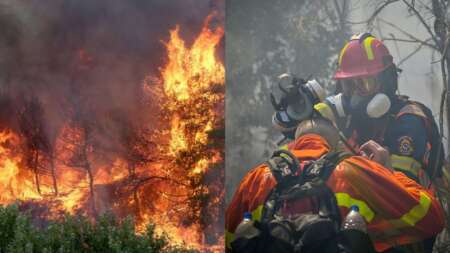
(132, 175)
(87, 167)
(91, 187)
(447, 104)
(52, 167)
(35, 170)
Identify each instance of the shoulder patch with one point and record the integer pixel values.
(405, 145)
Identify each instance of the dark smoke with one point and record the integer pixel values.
(87, 56)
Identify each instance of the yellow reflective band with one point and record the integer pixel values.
(343, 199)
(406, 163)
(284, 147)
(257, 213)
(229, 237)
(415, 214)
(368, 47)
(342, 53)
(418, 212)
(325, 110)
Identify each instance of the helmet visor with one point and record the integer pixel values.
(361, 86)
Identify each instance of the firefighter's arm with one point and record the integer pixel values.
(333, 108)
(327, 111)
(408, 144)
(249, 197)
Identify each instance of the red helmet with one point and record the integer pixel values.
(363, 56)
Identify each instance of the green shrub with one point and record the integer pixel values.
(78, 234)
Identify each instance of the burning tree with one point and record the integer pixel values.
(193, 106)
(159, 159)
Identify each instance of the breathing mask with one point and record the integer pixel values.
(293, 100)
(361, 98)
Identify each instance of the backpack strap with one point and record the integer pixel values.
(322, 168)
(310, 183)
(282, 164)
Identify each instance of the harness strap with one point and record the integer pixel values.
(310, 183)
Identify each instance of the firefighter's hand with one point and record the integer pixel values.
(377, 153)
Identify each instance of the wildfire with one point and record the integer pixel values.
(14, 183)
(167, 171)
(191, 82)
(66, 190)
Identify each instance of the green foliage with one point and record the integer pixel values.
(77, 234)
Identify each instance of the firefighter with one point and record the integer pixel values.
(397, 210)
(370, 113)
(372, 116)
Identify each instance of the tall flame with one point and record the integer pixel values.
(194, 105)
(189, 71)
(12, 186)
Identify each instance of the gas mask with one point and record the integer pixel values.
(361, 98)
(364, 114)
(293, 100)
(374, 106)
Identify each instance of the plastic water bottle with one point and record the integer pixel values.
(354, 229)
(245, 229)
(354, 221)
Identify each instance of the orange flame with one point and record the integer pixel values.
(189, 82)
(14, 183)
(189, 71)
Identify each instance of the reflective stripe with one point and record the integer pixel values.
(414, 215)
(406, 163)
(344, 199)
(284, 147)
(229, 237)
(339, 105)
(418, 212)
(368, 47)
(325, 110)
(257, 213)
(342, 53)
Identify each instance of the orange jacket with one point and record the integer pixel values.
(398, 211)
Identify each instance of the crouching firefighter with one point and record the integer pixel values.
(368, 108)
(298, 198)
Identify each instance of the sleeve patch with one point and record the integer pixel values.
(405, 145)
